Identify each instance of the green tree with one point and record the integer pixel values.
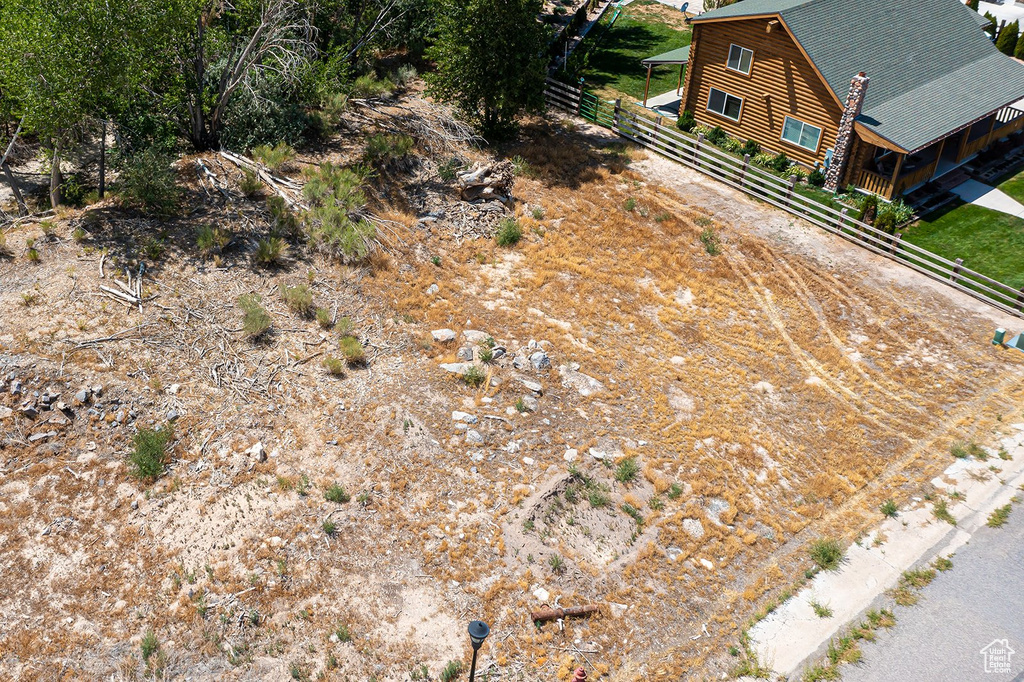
(1018, 51)
(973, 4)
(992, 24)
(1007, 40)
(489, 63)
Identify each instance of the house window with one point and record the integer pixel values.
(739, 59)
(801, 134)
(724, 104)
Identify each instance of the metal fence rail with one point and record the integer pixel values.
(741, 174)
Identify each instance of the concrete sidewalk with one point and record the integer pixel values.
(980, 194)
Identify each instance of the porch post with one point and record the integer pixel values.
(680, 83)
(963, 143)
(938, 157)
(991, 129)
(647, 86)
(896, 174)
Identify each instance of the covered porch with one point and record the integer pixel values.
(678, 57)
(890, 172)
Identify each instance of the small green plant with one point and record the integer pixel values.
(629, 205)
(297, 672)
(302, 487)
(421, 672)
(353, 351)
(827, 554)
(597, 498)
(816, 178)
(270, 251)
(334, 366)
(509, 232)
(751, 147)
(964, 449)
(941, 512)
(250, 184)
(999, 516)
(449, 169)
(211, 240)
(537, 212)
(528, 525)
(485, 354)
(275, 158)
(384, 150)
(656, 503)
(329, 528)
(557, 563)
(298, 298)
(343, 633)
(149, 645)
(344, 326)
(1004, 455)
(942, 563)
(369, 86)
(627, 470)
(32, 253)
(336, 494)
(149, 452)
(710, 241)
(29, 298)
(521, 406)
(521, 168)
(686, 121)
(674, 491)
(634, 513)
(436, 260)
(889, 508)
(473, 376)
(255, 318)
(79, 235)
(821, 610)
(323, 318)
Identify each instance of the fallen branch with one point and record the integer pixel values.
(548, 613)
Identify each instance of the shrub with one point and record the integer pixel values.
(781, 163)
(329, 528)
(731, 144)
(275, 158)
(334, 221)
(473, 376)
(710, 241)
(701, 129)
(964, 449)
(250, 184)
(255, 319)
(336, 493)
(627, 470)
(557, 563)
(752, 148)
(344, 326)
(369, 86)
(334, 366)
(211, 240)
(383, 150)
(404, 74)
(509, 232)
(284, 221)
(270, 251)
(149, 645)
(1018, 51)
(816, 178)
(298, 298)
(451, 671)
(716, 135)
(343, 633)
(521, 168)
(323, 317)
(973, 4)
(629, 205)
(763, 159)
(148, 182)
(686, 121)
(889, 508)
(868, 208)
(352, 350)
(149, 453)
(448, 170)
(154, 248)
(826, 554)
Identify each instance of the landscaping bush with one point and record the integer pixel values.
(763, 159)
(868, 209)
(816, 178)
(731, 144)
(716, 135)
(781, 163)
(752, 148)
(148, 182)
(255, 318)
(149, 454)
(686, 121)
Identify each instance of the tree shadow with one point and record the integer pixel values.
(616, 55)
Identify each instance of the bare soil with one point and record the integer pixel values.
(771, 394)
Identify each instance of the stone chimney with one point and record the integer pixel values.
(844, 138)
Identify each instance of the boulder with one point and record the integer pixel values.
(540, 360)
(443, 335)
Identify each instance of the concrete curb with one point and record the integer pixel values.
(792, 636)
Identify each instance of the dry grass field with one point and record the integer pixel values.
(742, 404)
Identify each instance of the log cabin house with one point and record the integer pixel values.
(884, 96)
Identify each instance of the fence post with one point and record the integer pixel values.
(789, 190)
(696, 150)
(743, 171)
(1020, 300)
(579, 98)
(842, 218)
(895, 242)
(615, 116)
(956, 269)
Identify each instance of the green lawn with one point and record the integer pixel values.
(990, 242)
(614, 54)
(1014, 186)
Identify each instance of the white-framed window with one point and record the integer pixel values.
(739, 59)
(724, 104)
(801, 134)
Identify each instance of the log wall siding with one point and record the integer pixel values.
(778, 69)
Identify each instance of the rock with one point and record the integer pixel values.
(570, 455)
(17, 388)
(673, 553)
(97, 390)
(5, 412)
(473, 436)
(173, 389)
(35, 437)
(618, 610)
(814, 381)
(459, 368)
(46, 399)
(529, 461)
(172, 415)
(677, 360)
(584, 384)
(530, 403)
(475, 336)
(707, 564)
(540, 360)
(258, 452)
(511, 411)
(498, 352)
(542, 595)
(29, 410)
(464, 417)
(443, 335)
(532, 345)
(764, 387)
(532, 386)
(694, 528)
(465, 354)
(432, 289)
(82, 396)
(61, 406)
(597, 454)
(519, 362)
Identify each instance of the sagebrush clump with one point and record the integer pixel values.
(255, 319)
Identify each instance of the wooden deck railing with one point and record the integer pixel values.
(905, 182)
(875, 183)
(757, 182)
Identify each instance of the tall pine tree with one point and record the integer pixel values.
(1007, 40)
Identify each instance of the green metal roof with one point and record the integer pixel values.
(678, 56)
(932, 69)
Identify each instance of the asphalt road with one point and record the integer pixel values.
(980, 600)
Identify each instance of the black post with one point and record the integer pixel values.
(103, 158)
(472, 667)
